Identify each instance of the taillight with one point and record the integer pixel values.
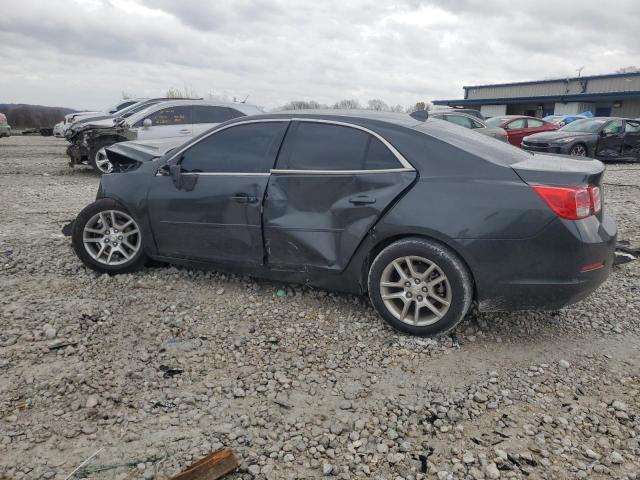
(596, 198)
(572, 203)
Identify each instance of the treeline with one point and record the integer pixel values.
(352, 104)
(22, 116)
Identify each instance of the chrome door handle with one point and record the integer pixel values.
(362, 200)
(244, 198)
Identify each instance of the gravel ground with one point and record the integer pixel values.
(307, 385)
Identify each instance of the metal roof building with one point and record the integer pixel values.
(616, 94)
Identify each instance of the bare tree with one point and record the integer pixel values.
(125, 95)
(302, 105)
(377, 104)
(347, 104)
(188, 92)
(629, 69)
(420, 106)
(398, 108)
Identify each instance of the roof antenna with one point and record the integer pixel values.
(245, 99)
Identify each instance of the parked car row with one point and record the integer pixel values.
(363, 202)
(158, 118)
(604, 138)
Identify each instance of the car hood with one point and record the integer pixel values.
(556, 135)
(142, 150)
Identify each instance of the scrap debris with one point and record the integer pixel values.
(212, 467)
(625, 253)
(170, 371)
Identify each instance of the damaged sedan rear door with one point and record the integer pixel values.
(331, 183)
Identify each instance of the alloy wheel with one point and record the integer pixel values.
(111, 237)
(415, 290)
(102, 162)
(578, 151)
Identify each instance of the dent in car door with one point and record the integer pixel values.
(631, 146)
(317, 218)
(610, 140)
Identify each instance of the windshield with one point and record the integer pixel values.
(126, 113)
(588, 125)
(496, 121)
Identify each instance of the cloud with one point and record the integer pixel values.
(84, 53)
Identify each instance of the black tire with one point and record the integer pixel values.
(579, 147)
(95, 148)
(460, 284)
(136, 261)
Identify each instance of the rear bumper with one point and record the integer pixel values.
(543, 272)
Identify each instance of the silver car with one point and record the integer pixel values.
(468, 121)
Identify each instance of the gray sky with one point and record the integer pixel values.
(85, 53)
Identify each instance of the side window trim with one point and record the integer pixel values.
(405, 166)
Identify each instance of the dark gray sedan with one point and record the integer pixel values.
(603, 138)
(426, 217)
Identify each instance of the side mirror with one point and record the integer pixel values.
(603, 133)
(146, 123)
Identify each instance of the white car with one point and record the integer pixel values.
(58, 130)
(181, 119)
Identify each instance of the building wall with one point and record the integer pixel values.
(560, 87)
(493, 110)
(629, 109)
(572, 108)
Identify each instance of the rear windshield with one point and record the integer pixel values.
(484, 146)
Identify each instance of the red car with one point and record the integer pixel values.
(519, 126)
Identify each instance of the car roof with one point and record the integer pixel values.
(355, 116)
(242, 107)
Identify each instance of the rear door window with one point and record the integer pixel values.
(531, 123)
(327, 147)
(246, 148)
(632, 127)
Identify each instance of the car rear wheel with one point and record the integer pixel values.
(420, 287)
(578, 150)
(107, 238)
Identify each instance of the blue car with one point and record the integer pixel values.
(562, 120)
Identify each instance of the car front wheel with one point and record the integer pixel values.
(420, 287)
(578, 150)
(107, 238)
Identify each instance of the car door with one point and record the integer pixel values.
(331, 183)
(631, 145)
(610, 139)
(208, 116)
(209, 208)
(516, 130)
(167, 122)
